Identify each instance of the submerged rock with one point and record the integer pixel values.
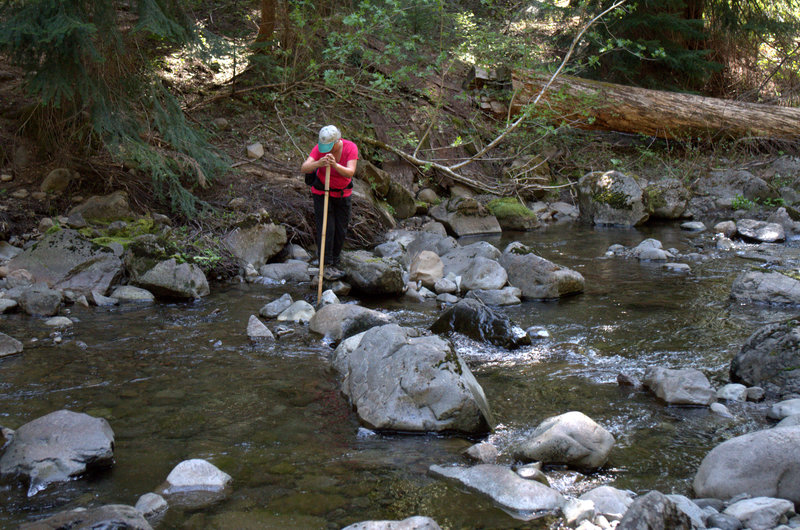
(416, 522)
(398, 380)
(475, 320)
(57, 447)
(105, 517)
(528, 499)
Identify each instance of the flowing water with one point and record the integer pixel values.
(180, 381)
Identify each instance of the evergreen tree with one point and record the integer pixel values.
(683, 44)
(90, 64)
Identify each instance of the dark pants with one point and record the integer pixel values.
(338, 219)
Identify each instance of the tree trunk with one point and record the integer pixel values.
(597, 105)
(267, 27)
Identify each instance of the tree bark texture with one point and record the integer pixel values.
(267, 26)
(598, 105)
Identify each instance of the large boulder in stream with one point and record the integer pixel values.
(526, 499)
(57, 447)
(766, 288)
(398, 379)
(372, 275)
(147, 264)
(459, 259)
(474, 319)
(38, 299)
(762, 463)
(667, 198)
(255, 242)
(66, 260)
(108, 516)
(170, 279)
(572, 438)
(611, 198)
(537, 277)
(463, 216)
(340, 321)
(770, 358)
(686, 386)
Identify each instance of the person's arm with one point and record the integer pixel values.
(312, 165)
(346, 171)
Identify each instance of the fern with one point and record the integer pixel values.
(83, 62)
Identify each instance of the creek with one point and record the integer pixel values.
(180, 381)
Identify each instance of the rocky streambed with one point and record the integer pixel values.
(180, 381)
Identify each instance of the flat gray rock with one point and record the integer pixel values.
(686, 386)
(527, 498)
(129, 293)
(57, 447)
(9, 345)
(760, 513)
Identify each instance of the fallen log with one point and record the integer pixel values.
(597, 105)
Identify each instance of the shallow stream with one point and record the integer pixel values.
(180, 381)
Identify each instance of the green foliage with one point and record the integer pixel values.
(680, 44)
(506, 207)
(742, 203)
(94, 76)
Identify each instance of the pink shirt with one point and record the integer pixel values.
(349, 152)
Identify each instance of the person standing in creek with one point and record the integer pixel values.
(341, 156)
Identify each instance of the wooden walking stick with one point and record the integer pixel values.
(324, 231)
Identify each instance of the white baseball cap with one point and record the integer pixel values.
(328, 136)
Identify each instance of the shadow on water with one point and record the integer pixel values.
(181, 381)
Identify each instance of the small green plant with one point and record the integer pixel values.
(742, 203)
(774, 202)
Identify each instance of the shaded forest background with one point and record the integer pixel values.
(130, 93)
